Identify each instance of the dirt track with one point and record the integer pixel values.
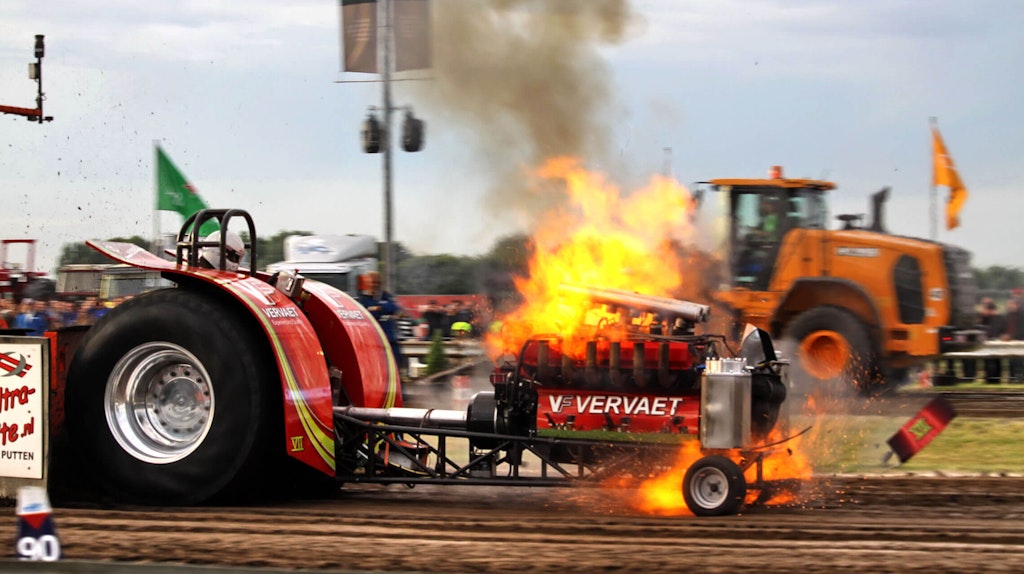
(892, 524)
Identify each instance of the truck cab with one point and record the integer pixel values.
(337, 260)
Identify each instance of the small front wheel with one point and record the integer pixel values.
(714, 486)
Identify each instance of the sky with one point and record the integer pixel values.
(249, 100)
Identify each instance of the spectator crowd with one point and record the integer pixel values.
(455, 320)
(1006, 324)
(36, 316)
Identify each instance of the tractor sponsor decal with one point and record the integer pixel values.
(13, 365)
(21, 410)
(363, 325)
(585, 410)
(857, 251)
(282, 315)
(350, 314)
(281, 312)
(615, 404)
(346, 308)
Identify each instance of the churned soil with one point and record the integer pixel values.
(837, 523)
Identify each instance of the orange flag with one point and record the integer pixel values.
(944, 173)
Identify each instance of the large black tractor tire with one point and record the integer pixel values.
(714, 486)
(834, 347)
(173, 399)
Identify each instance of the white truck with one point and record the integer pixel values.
(337, 260)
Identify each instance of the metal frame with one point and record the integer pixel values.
(500, 456)
(189, 242)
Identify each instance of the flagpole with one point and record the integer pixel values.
(156, 199)
(934, 189)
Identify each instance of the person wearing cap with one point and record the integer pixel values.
(384, 309)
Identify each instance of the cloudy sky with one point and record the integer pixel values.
(249, 100)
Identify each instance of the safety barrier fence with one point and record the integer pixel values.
(995, 362)
(456, 349)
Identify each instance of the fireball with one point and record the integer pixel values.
(632, 242)
(601, 237)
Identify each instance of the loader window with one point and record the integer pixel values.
(811, 207)
(757, 217)
(909, 290)
(759, 221)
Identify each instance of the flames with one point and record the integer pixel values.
(635, 242)
(663, 494)
(785, 466)
(601, 238)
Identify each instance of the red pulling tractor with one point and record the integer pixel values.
(235, 383)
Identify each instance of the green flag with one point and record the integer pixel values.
(175, 193)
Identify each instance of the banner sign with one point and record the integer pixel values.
(412, 34)
(22, 419)
(359, 35)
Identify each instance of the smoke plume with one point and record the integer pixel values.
(526, 82)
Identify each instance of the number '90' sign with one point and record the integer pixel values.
(45, 548)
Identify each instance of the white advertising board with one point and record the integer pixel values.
(22, 408)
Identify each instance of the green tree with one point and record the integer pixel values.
(438, 275)
(436, 360)
(997, 281)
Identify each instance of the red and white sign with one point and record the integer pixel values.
(21, 409)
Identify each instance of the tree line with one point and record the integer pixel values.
(491, 273)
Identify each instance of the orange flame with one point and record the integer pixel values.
(601, 238)
(663, 494)
(784, 467)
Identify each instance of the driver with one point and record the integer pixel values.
(769, 221)
(234, 250)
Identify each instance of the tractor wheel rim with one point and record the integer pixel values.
(159, 403)
(709, 487)
(825, 354)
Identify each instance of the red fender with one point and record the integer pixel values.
(330, 322)
(355, 344)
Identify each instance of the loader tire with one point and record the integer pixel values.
(172, 399)
(835, 347)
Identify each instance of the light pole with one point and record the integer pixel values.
(376, 135)
(35, 72)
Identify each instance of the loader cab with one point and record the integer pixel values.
(761, 213)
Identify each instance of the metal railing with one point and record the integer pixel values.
(994, 362)
(455, 349)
